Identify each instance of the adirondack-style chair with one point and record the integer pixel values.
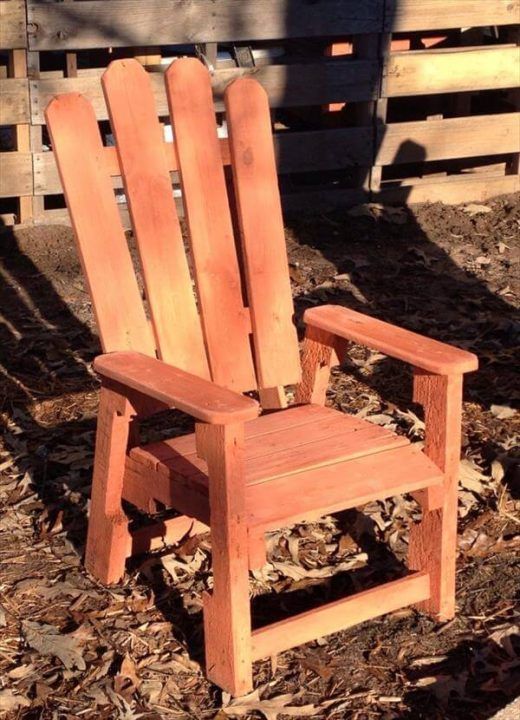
(241, 473)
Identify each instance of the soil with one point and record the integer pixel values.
(70, 648)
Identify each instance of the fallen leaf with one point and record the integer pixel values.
(503, 412)
(48, 640)
(270, 708)
(9, 701)
(474, 209)
(471, 478)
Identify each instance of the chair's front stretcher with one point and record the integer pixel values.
(240, 473)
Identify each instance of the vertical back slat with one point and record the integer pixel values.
(101, 241)
(262, 234)
(225, 320)
(148, 188)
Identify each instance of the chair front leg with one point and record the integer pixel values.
(108, 539)
(227, 614)
(433, 541)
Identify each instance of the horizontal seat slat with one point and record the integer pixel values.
(304, 461)
(340, 615)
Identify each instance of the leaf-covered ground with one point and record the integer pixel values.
(70, 648)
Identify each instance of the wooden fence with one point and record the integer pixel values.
(387, 100)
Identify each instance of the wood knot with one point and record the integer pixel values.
(247, 156)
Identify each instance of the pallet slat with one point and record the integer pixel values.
(410, 15)
(287, 85)
(96, 24)
(324, 150)
(447, 139)
(14, 105)
(15, 174)
(427, 72)
(12, 24)
(454, 190)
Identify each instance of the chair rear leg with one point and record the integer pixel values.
(433, 542)
(108, 540)
(227, 614)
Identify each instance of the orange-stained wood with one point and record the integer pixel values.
(108, 537)
(284, 500)
(227, 614)
(200, 398)
(262, 234)
(422, 352)
(114, 168)
(238, 475)
(433, 541)
(339, 615)
(224, 319)
(97, 226)
(326, 437)
(148, 188)
(321, 351)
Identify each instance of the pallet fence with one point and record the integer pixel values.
(382, 100)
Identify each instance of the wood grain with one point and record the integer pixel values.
(131, 22)
(225, 320)
(100, 239)
(418, 350)
(176, 388)
(140, 147)
(262, 235)
(339, 615)
(409, 15)
(426, 72)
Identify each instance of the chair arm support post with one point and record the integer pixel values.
(227, 617)
(322, 350)
(433, 541)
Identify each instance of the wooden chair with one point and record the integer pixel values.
(241, 472)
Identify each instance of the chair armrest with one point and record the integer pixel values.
(204, 400)
(421, 352)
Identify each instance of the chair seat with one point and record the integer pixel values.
(300, 463)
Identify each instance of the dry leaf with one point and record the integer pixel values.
(48, 640)
(270, 708)
(471, 478)
(503, 412)
(474, 209)
(9, 701)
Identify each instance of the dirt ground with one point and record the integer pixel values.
(70, 648)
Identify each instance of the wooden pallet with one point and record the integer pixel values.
(397, 54)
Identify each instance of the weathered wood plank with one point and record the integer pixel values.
(324, 150)
(14, 101)
(15, 174)
(427, 72)
(287, 86)
(406, 15)
(60, 26)
(448, 139)
(457, 189)
(12, 24)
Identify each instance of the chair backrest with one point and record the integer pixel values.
(240, 334)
